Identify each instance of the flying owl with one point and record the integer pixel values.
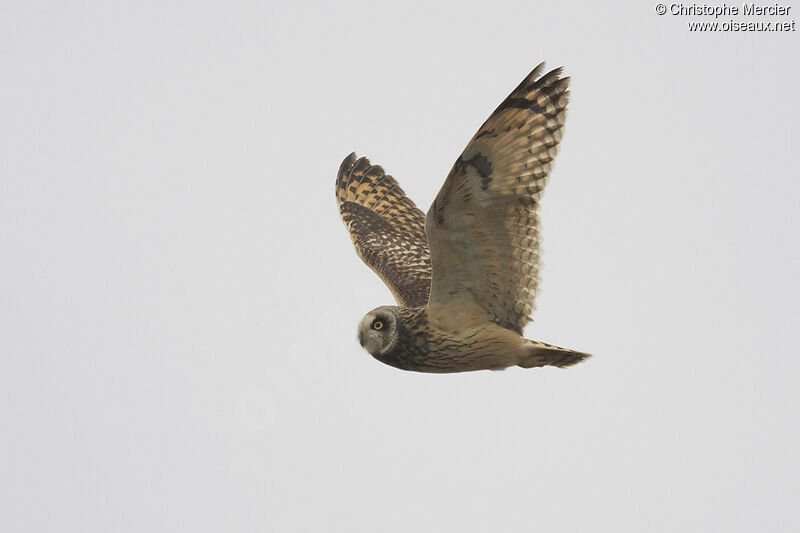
(466, 274)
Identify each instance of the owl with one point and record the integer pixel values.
(464, 275)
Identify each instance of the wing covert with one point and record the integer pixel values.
(387, 229)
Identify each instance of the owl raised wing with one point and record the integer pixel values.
(387, 229)
(484, 218)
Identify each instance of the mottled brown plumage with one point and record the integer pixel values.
(387, 229)
(466, 274)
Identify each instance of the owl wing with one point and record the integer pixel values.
(483, 227)
(387, 229)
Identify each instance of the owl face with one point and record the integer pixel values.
(377, 331)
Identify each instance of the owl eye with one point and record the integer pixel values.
(377, 325)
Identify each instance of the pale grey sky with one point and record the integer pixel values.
(179, 300)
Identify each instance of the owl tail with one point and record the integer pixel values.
(541, 354)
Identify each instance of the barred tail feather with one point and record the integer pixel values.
(542, 354)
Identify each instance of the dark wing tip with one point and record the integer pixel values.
(551, 78)
(352, 173)
(375, 171)
(530, 78)
(534, 86)
(345, 167)
(350, 163)
(534, 80)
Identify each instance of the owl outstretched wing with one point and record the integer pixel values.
(483, 227)
(387, 229)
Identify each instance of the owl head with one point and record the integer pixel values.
(377, 331)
